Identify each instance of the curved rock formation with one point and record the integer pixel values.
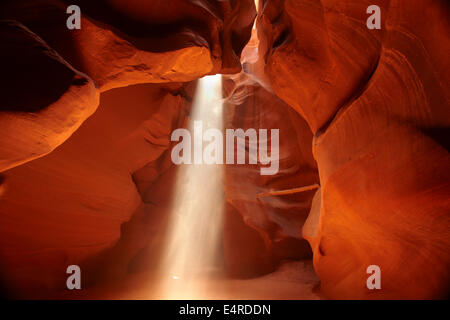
(123, 43)
(116, 47)
(373, 104)
(378, 104)
(87, 196)
(44, 99)
(269, 224)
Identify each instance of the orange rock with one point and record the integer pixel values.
(44, 99)
(125, 43)
(69, 207)
(270, 225)
(377, 102)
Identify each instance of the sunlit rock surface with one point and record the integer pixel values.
(377, 102)
(110, 187)
(44, 99)
(363, 118)
(129, 42)
(78, 197)
(269, 225)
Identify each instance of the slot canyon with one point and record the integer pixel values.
(87, 176)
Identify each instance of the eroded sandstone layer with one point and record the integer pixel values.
(269, 224)
(377, 102)
(363, 118)
(119, 44)
(72, 205)
(44, 99)
(128, 42)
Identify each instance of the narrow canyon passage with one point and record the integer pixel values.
(114, 149)
(185, 257)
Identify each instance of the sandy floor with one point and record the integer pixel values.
(292, 281)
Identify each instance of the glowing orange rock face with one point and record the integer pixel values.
(262, 229)
(116, 46)
(128, 42)
(44, 99)
(73, 206)
(377, 102)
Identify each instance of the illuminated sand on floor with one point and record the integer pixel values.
(293, 280)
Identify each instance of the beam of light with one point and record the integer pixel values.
(257, 10)
(192, 251)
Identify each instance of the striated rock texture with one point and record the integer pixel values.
(70, 206)
(269, 225)
(377, 102)
(120, 43)
(143, 236)
(374, 105)
(89, 193)
(129, 42)
(44, 99)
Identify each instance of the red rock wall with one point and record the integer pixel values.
(118, 45)
(113, 48)
(121, 43)
(377, 102)
(373, 104)
(58, 98)
(270, 226)
(70, 205)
